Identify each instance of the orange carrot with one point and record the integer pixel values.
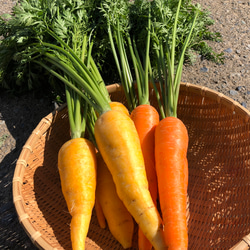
(120, 221)
(77, 169)
(119, 145)
(186, 174)
(146, 118)
(171, 136)
(171, 142)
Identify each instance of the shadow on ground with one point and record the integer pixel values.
(18, 118)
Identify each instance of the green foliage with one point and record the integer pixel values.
(70, 20)
(163, 16)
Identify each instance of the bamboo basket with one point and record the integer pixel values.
(219, 176)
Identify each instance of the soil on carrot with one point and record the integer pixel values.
(20, 115)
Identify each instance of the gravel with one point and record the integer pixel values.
(231, 78)
(19, 116)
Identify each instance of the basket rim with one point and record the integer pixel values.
(17, 181)
(228, 102)
(45, 123)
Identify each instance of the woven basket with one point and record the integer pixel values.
(219, 176)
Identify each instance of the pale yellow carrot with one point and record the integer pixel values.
(120, 221)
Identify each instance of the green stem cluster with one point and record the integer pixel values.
(124, 49)
(122, 63)
(170, 68)
(84, 86)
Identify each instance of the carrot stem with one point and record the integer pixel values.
(169, 73)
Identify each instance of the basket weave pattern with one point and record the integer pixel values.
(219, 176)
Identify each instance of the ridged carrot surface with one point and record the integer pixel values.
(146, 118)
(171, 142)
(77, 169)
(119, 145)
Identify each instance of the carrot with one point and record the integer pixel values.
(77, 169)
(119, 145)
(143, 242)
(98, 208)
(146, 118)
(99, 214)
(171, 136)
(119, 106)
(120, 222)
(77, 164)
(171, 142)
(186, 174)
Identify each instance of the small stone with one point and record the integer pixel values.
(238, 51)
(239, 88)
(229, 50)
(244, 104)
(233, 92)
(204, 70)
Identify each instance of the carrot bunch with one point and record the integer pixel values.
(115, 137)
(144, 115)
(136, 159)
(164, 142)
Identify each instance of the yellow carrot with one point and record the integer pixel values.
(119, 145)
(98, 208)
(119, 107)
(77, 169)
(120, 221)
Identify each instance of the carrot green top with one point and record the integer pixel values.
(80, 76)
(84, 86)
(169, 67)
(117, 15)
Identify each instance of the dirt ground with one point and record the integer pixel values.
(232, 78)
(19, 116)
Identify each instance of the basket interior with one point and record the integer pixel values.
(219, 178)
